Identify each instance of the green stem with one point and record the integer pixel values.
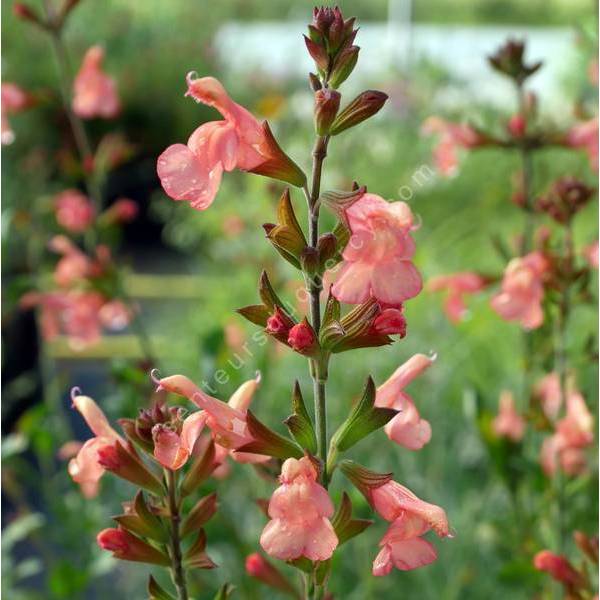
(177, 570)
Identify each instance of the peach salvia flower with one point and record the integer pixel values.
(227, 421)
(520, 298)
(193, 172)
(406, 428)
(300, 510)
(14, 99)
(94, 92)
(452, 136)
(457, 286)
(85, 468)
(558, 567)
(402, 546)
(172, 449)
(508, 423)
(377, 259)
(74, 211)
(390, 321)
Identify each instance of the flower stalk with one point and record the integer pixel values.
(177, 569)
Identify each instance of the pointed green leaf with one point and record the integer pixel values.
(269, 442)
(202, 512)
(363, 420)
(345, 526)
(156, 592)
(299, 423)
(201, 468)
(255, 313)
(362, 478)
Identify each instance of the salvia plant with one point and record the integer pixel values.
(357, 278)
(547, 279)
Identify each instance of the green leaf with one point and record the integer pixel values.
(196, 556)
(268, 442)
(156, 592)
(201, 468)
(267, 293)
(202, 512)
(225, 591)
(363, 420)
(255, 313)
(345, 526)
(299, 423)
(362, 478)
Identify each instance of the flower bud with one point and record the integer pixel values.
(361, 108)
(327, 103)
(127, 546)
(344, 65)
(260, 568)
(279, 324)
(25, 12)
(558, 567)
(302, 339)
(566, 197)
(391, 321)
(517, 126)
(508, 60)
(309, 260)
(327, 247)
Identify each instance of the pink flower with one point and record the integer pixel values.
(85, 468)
(115, 315)
(564, 449)
(171, 449)
(377, 259)
(452, 136)
(402, 546)
(193, 172)
(590, 253)
(227, 421)
(406, 428)
(457, 285)
(522, 291)
(13, 100)
(517, 126)
(558, 567)
(300, 510)
(74, 266)
(74, 211)
(508, 423)
(585, 135)
(94, 92)
(547, 391)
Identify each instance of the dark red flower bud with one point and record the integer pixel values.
(327, 104)
(508, 60)
(391, 321)
(517, 126)
(279, 323)
(361, 108)
(302, 339)
(22, 11)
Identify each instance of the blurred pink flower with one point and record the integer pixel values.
(94, 92)
(522, 291)
(547, 391)
(14, 99)
(406, 428)
(558, 567)
(452, 136)
(584, 135)
(115, 315)
(508, 423)
(85, 468)
(123, 210)
(377, 259)
(564, 449)
(402, 546)
(193, 172)
(74, 211)
(74, 265)
(457, 285)
(590, 253)
(300, 510)
(517, 126)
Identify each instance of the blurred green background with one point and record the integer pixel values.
(48, 545)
